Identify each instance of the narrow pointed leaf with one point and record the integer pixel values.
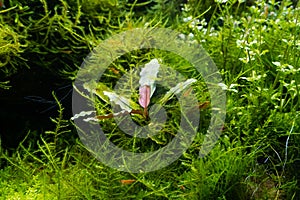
(97, 88)
(83, 114)
(99, 91)
(177, 89)
(181, 86)
(119, 100)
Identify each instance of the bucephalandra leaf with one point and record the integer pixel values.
(119, 100)
(91, 119)
(144, 99)
(99, 91)
(177, 89)
(97, 88)
(148, 75)
(82, 114)
(181, 86)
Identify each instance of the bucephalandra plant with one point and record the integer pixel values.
(147, 87)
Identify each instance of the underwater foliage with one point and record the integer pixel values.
(10, 49)
(255, 45)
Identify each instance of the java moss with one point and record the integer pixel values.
(45, 42)
(56, 35)
(10, 49)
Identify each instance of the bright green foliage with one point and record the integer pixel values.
(10, 49)
(255, 45)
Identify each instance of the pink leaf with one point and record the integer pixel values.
(144, 99)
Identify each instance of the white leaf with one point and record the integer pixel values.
(91, 119)
(82, 114)
(223, 86)
(177, 89)
(149, 75)
(181, 86)
(119, 100)
(278, 64)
